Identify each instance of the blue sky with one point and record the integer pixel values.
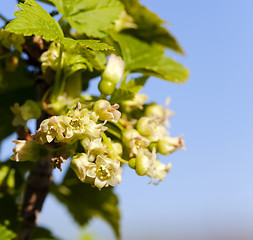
(209, 190)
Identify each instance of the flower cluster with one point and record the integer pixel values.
(146, 134)
(98, 163)
(108, 138)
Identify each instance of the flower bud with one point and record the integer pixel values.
(137, 103)
(114, 69)
(132, 163)
(25, 151)
(145, 126)
(106, 87)
(130, 135)
(142, 165)
(157, 111)
(167, 145)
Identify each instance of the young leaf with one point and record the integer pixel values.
(150, 26)
(149, 59)
(85, 202)
(92, 44)
(6, 234)
(34, 20)
(127, 90)
(92, 17)
(120, 95)
(134, 84)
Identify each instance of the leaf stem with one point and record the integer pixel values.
(114, 133)
(57, 83)
(4, 19)
(109, 145)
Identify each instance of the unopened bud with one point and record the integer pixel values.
(25, 151)
(114, 69)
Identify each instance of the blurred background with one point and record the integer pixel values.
(208, 195)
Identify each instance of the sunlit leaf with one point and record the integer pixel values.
(149, 59)
(6, 234)
(150, 26)
(34, 20)
(92, 17)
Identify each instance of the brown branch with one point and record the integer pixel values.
(38, 182)
(37, 188)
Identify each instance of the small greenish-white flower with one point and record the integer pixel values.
(93, 147)
(158, 111)
(114, 69)
(161, 170)
(147, 126)
(146, 163)
(125, 21)
(81, 165)
(133, 140)
(107, 172)
(103, 173)
(137, 103)
(53, 128)
(94, 130)
(25, 151)
(105, 111)
(161, 113)
(167, 145)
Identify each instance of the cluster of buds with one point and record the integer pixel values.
(146, 135)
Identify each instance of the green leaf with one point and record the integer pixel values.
(10, 195)
(149, 59)
(92, 44)
(6, 234)
(92, 17)
(41, 233)
(34, 20)
(134, 84)
(85, 202)
(127, 90)
(120, 95)
(150, 26)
